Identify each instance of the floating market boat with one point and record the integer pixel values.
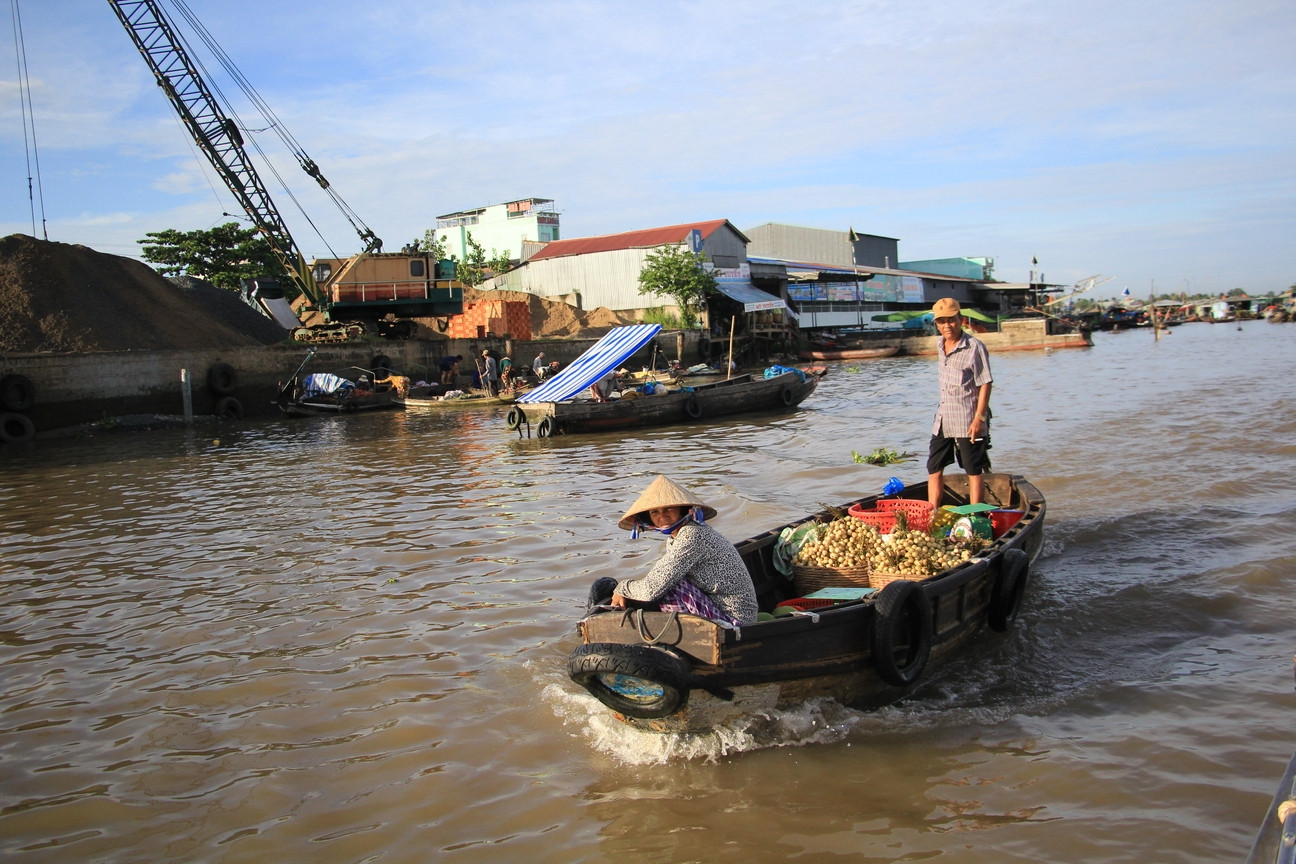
(863, 646)
(560, 406)
(346, 391)
(849, 353)
(1275, 843)
(437, 396)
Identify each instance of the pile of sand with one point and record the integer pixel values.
(64, 298)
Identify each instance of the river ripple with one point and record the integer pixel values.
(344, 639)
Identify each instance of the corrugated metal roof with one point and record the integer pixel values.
(599, 359)
(643, 239)
(861, 269)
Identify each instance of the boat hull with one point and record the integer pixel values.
(724, 398)
(863, 653)
(849, 353)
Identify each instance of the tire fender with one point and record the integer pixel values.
(787, 396)
(229, 407)
(902, 633)
(514, 418)
(545, 428)
(692, 407)
(636, 680)
(17, 393)
(16, 428)
(222, 379)
(704, 348)
(1009, 589)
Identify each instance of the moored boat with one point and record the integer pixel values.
(849, 353)
(344, 391)
(674, 672)
(560, 406)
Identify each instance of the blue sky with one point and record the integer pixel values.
(1154, 142)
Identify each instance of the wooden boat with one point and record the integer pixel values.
(1018, 334)
(674, 672)
(739, 395)
(437, 396)
(848, 353)
(345, 391)
(1273, 843)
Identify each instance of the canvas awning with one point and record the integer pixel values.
(752, 298)
(598, 360)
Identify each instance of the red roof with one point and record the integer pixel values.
(648, 238)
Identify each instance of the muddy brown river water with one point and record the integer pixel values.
(344, 639)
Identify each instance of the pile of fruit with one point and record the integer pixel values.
(848, 542)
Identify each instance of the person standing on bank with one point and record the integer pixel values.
(490, 377)
(962, 427)
(699, 572)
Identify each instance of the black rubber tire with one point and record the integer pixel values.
(229, 408)
(514, 418)
(786, 396)
(222, 379)
(16, 428)
(637, 680)
(17, 393)
(380, 362)
(545, 428)
(1009, 589)
(901, 626)
(704, 349)
(693, 408)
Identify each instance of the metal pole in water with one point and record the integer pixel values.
(186, 394)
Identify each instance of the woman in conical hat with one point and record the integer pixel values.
(700, 572)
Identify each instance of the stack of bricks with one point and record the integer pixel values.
(495, 317)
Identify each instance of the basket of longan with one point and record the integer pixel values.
(914, 555)
(837, 558)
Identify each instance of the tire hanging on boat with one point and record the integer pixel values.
(787, 396)
(222, 379)
(16, 428)
(514, 418)
(545, 428)
(229, 407)
(704, 349)
(692, 407)
(902, 633)
(17, 393)
(637, 680)
(1009, 589)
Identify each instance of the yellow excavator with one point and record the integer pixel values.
(369, 293)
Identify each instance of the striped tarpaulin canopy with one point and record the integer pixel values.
(601, 358)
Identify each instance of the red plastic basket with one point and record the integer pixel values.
(884, 522)
(917, 513)
(804, 603)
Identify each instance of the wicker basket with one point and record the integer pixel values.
(879, 580)
(808, 579)
(918, 514)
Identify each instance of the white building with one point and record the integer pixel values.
(499, 228)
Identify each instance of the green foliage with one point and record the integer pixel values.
(222, 255)
(678, 273)
(882, 456)
(658, 315)
(476, 268)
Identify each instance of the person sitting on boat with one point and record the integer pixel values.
(962, 426)
(602, 389)
(700, 572)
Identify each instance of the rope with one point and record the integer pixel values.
(637, 616)
(28, 119)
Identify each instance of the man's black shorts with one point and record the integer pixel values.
(973, 457)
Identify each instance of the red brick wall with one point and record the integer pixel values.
(492, 316)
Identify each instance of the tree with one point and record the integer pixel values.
(678, 273)
(476, 268)
(222, 255)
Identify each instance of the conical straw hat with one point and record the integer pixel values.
(662, 493)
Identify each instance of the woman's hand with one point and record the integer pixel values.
(618, 601)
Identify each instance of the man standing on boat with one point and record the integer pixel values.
(962, 427)
(490, 374)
